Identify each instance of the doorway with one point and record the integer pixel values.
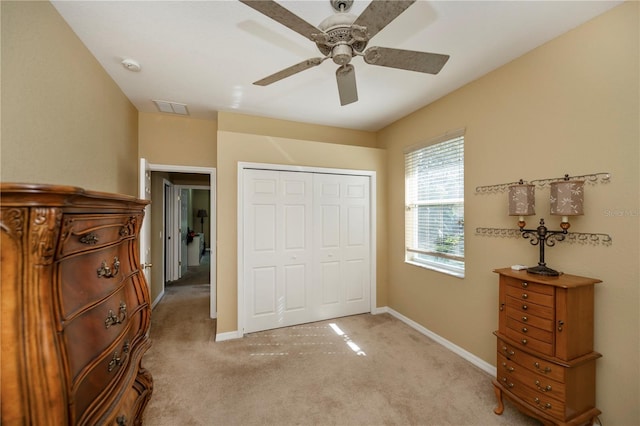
(162, 184)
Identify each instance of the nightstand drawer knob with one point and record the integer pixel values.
(545, 406)
(525, 329)
(525, 307)
(525, 284)
(507, 351)
(542, 389)
(510, 385)
(509, 369)
(524, 341)
(525, 319)
(525, 296)
(546, 370)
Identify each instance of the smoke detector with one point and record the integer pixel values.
(131, 65)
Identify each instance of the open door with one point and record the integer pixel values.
(144, 193)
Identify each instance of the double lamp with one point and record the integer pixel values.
(566, 199)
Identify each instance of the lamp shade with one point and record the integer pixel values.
(522, 200)
(202, 213)
(567, 198)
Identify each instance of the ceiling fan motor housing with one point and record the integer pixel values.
(338, 39)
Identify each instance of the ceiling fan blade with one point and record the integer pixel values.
(346, 77)
(430, 63)
(284, 16)
(380, 13)
(287, 72)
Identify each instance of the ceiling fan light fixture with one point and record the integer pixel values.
(342, 54)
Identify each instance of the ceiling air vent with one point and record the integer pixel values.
(171, 107)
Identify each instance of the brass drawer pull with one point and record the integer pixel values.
(117, 361)
(525, 296)
(525, 329)
(525, 319)
(546, 406)
(525, 307)
(89, 239)
(546, 370)
(509, 385)
(560, 325)
(543, 389)
(524, 341)
(509, 369)
(507, 351)
(113, 319)
(121, 420)
(109, 272)
(525, 284)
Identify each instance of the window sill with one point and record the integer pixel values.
(443, 270)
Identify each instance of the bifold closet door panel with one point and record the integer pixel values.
(277, 248)
(306, 247)
(342, 278)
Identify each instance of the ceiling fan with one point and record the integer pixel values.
(342, 36)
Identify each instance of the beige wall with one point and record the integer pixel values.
(239, 147)
(174, 140)
(570, 106)
(64, 120)
(240, 123)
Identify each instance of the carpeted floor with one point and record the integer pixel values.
(195, 274)
(359, 370)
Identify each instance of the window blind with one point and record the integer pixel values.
(434, 205)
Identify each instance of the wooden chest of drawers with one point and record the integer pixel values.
(545, 358)
(75, 307)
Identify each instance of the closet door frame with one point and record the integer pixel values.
(242, 166)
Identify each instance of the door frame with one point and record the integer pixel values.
(242, 166)
(211, 171)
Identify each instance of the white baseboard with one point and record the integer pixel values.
(483, 365)
(158, 299)
(229, 335)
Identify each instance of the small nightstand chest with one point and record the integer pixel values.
(545, 358)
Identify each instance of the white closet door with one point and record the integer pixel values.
(277, 248)
(342, 277)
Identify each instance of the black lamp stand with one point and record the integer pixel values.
(542, 236)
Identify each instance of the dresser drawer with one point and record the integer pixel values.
(84, 232)
(529, 342)
(102, 374)
(527, 331)
(526, 307)
(530, 317)
(528, 296)
(529, 286)
(89, 334)
(86, 278)
(530, 362)
(537, 382)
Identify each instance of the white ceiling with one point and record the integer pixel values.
(206, 54)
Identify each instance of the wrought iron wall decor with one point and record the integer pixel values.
(592, 179)
(566, 199)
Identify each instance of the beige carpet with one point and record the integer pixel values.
(359, 370)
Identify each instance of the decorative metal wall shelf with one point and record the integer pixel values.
(569, 237)
(594, 178)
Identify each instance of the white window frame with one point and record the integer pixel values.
(415, 255)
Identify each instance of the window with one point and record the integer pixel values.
(434, 204)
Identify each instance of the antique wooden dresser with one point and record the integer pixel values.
(75, 307)
(546, 364)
